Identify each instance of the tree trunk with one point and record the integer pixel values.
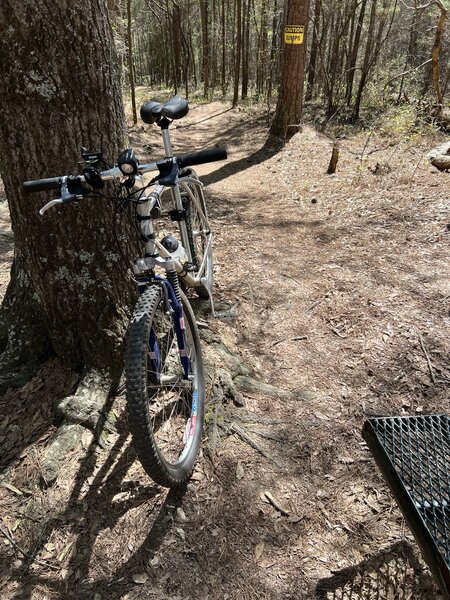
(435, 59)
(273, 59)
(131, 63)
(290, 98)
(366, 62)
(205, 46)
(223, 66)
(237, 64)
(245, 49)
(69, 292)
(314, 49)
(354, 53)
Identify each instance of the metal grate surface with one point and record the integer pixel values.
(413, 454)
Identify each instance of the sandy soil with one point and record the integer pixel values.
(335, 281)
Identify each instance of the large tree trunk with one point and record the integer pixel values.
(290, 97)
(69, 291)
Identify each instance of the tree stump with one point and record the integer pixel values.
(334, 160)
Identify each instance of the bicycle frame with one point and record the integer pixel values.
(154, 250)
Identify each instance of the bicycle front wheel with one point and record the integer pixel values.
(165, 408)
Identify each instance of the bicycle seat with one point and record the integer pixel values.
(175, 108)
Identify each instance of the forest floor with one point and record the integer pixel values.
(340, 287)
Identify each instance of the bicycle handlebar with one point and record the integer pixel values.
(200, 158)
(187, 160)
(41, 185)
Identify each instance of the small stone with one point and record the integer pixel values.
(180, 515)
(140, 578)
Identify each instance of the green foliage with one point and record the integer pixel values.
(407, 122)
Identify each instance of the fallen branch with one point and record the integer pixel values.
(292, 339)
(32, 558)
(406, 73)
(290, 277)
(275, 504)
(424, 350)
(243, 435)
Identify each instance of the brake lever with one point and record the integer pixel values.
(66, 197)
(50, 204)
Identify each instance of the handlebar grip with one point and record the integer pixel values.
(200, 158)
(40, 185)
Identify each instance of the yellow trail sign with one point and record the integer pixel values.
(294, 34)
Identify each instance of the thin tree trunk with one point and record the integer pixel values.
(205, 46)
(130, 63)
(366, 63)
(246, 48)
(314, 48)
(435, 59)
(273, 53)
(223, 71)
(237, 63)
(354, 53)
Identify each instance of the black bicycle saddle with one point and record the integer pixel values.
(175, 108)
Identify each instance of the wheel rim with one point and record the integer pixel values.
(200, 238)
(172, 400)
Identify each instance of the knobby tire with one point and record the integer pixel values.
(169, 462)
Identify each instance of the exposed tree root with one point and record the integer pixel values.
(227, 383)
(27, 412)
(88, 408)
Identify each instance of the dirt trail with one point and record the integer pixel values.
(333, 279)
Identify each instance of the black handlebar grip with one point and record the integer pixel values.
(40, 185)
(200, 158)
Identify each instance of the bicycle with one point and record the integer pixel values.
(163, 363)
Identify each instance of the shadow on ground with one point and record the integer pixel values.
(393, 573)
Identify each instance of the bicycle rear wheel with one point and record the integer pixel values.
(198, 235)
(165, 410)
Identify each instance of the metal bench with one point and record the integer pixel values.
(413, 454)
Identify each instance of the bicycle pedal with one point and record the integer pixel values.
(225, 315)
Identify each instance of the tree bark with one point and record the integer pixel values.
(69, 292)
(290, 98)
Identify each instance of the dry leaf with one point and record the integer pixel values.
(259, 549)
(239, 470)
